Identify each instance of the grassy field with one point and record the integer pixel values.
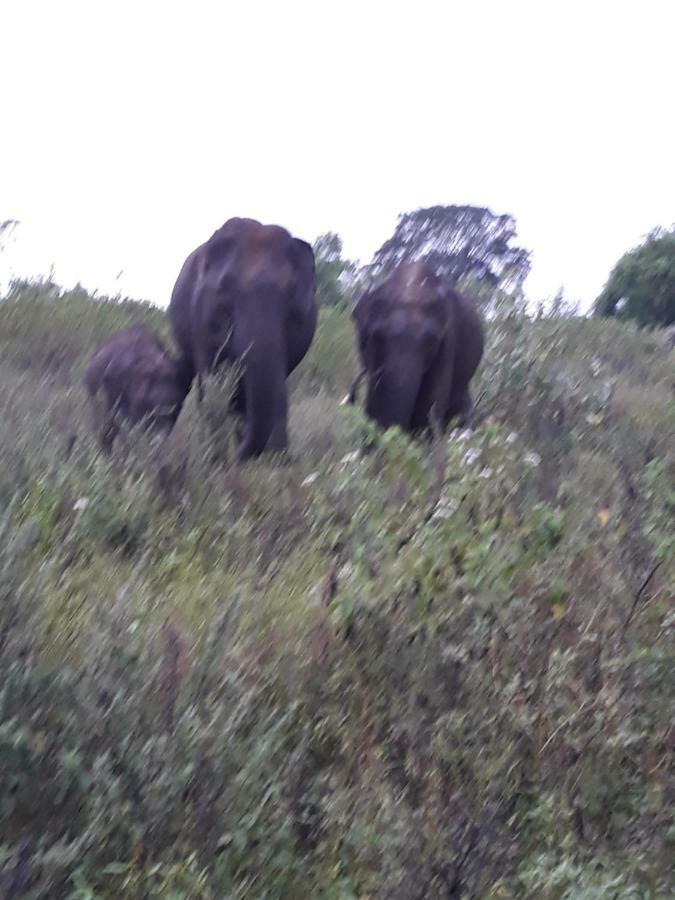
(422, 672)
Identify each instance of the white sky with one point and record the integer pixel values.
(131, 130)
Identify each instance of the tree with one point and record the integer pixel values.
(461, 242)
(333, 273)
(328, 246)
(641, 286)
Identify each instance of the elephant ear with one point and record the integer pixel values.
(444, 366)
(302, 256)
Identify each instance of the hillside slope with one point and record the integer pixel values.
(440, 671)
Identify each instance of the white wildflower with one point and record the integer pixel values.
(511, 437)
(485, 473)
(349, 458)
(310, 479)
(532, 459)
(464, 435)
(445, 509)
(81, 504)
(470, 457)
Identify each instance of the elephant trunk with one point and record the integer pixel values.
(264, 380)
(392, 395)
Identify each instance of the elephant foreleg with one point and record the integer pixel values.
(351, 396)
(278, 439)
(238, 398)
(107, 435)
(460, 407)
(420, 420)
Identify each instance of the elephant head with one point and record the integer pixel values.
(420, 342)
(247, 296)
(157, 392)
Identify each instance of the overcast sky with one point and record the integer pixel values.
(131, 130)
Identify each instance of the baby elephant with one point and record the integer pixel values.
(132, 377)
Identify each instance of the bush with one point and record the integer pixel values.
(48, 330)
(642, 284)
(437, 670)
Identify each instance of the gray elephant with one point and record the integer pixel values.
(247, 296)
(420, 342)
(131, 377)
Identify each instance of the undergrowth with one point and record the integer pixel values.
(415, 670)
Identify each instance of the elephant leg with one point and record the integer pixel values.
(351, 396)
(460, 406)
(104, 422)
(278, 439)
(237, 409)
(420, 417)
(108, 433)
(238, 399)
(203, 365)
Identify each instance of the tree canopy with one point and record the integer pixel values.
(641, 286)
(332, 271)
(459, 242)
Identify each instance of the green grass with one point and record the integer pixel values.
(426, 671)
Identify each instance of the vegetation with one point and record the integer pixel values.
(333, 273)
(460, 242)
(642, 284)
(422, 671)
(468, 244)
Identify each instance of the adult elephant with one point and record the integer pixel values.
(420, 343)
(247, 296)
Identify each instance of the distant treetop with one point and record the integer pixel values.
(641, 286)
(460, 242)
(333, 273)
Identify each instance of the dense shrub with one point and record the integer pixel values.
(641, 286)
(439, 670)
(46, 329)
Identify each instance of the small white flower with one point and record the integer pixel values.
(81, 504)
(485, 473)
(511, 438)
(350, 458)
(445, 509)
(310, 479)
(532, 459)
(470, 456)
(464, 435)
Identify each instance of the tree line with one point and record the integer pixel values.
(477, 249)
